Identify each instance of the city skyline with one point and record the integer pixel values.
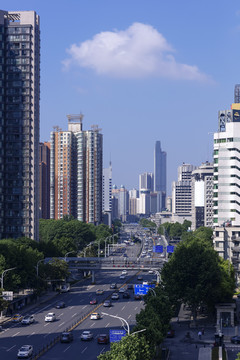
(171, 84)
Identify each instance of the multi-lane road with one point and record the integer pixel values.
(78, 306)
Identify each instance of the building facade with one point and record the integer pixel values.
(44, 180)
(182, 191)
(19, 122)
(76, 172)
(160, 176)
(202, 196)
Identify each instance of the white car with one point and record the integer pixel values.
(151, 272)
(50, 317)
(86, 335)
(115, 296)
(95, 316)
(124, 272)
(122, 277)
(145, 282)
(25, 352)
(122, 290)
(27, 320)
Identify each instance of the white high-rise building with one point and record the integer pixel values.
(226, 199)
(19, 119)
(182, 191)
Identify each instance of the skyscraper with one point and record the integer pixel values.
(76, 172)
(107, 188)
(19, 122)
(160, 175)
(226, 202)
(44, 180)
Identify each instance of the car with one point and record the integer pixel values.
(137, 297)
(103, 339)
(50, 317)
(145, 282)
(99, 292)
(60, 305)
(126, 295)
(95, 316)
(113, 286)
(122, 290)
(66, 337)
(125, 255)
(130, 287)
(93, 302)
(124, 272)
(27, 320)
(25, 352)
(139, 277)
(170, 333)
(122, 277)
(235, 339)
(150, 271)
(115, 296)
(17, 318)
(65, 288)
(107, 303)
(86, 335)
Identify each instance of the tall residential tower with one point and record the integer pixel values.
(160, 176)
(19, 123)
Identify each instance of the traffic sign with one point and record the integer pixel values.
(158, 248)
(140, 289)
(116, 335)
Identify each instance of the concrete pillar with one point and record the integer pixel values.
(93, 277)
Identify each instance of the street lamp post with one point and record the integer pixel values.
(38, 265)
(70, 252)
(3, 273)
(118, 317)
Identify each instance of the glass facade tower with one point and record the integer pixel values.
(19, 123)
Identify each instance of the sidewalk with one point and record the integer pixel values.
(48, 295)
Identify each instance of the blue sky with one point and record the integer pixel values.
(142, 70)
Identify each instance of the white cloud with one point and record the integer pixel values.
(139, 51)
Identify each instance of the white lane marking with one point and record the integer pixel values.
(11, 348)
(47, 324)
(46, 334)
(92, 324)
(31, 334)
(67, 348)
(123, 307)
(129, 316)
(136, 308)
(61, 314)
(84, 306)
(61, 324)
(74, 314)
(84, 350)
(107, 324)
(16, 334)
(71, 307)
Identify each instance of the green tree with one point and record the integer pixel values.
(132, 347)
(193, 274)
(55, 271)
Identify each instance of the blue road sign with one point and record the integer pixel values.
(140, 289)
(116, 335)
(170, 249)
(158, 248)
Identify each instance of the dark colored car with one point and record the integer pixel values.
(130, 287)
(139, 277)
(235, 339)
(103, 339)
(60, 305)
(66, 337)
(113, 286)
(170, 333)
(107, 303)
(137, 297)
(126, 295)
(93, 302)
